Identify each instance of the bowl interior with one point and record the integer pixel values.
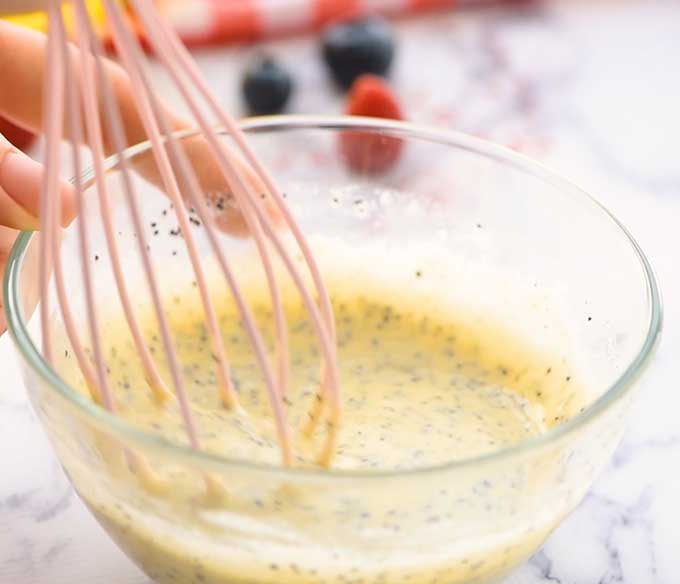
(454, 224)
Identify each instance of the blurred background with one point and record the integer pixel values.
(590, 87)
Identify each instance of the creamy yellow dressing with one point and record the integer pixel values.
(417, 392)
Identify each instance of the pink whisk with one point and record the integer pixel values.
(80, 99)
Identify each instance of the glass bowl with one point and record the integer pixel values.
(458, 221)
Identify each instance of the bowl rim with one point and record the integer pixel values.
(17, 326)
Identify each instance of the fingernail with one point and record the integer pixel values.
(21, 178)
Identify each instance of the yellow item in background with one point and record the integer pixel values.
(35, 20)
(38, 20)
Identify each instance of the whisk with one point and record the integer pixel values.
(80, 99)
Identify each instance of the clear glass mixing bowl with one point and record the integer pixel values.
(530, 249)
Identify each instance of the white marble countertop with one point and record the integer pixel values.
(590, 87)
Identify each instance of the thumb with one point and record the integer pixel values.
(21, 180)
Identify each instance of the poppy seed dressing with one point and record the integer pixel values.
(418, 391)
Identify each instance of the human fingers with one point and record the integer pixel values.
(21, 180)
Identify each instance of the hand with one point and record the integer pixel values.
(20, 176)
(21, 6)
(22, 61)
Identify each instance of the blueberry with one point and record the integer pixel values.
(357, 47)
(266, 87)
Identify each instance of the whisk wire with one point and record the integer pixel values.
(91, 89)
(126, 46)
(167, 46)
(94, 379)
(132, 56)
(53, 104)
(179, 52)
(243, 192)
(88, 46)
(91, 73)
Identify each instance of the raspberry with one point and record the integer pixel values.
(365, 152)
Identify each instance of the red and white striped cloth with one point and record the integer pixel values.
(201, 22)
